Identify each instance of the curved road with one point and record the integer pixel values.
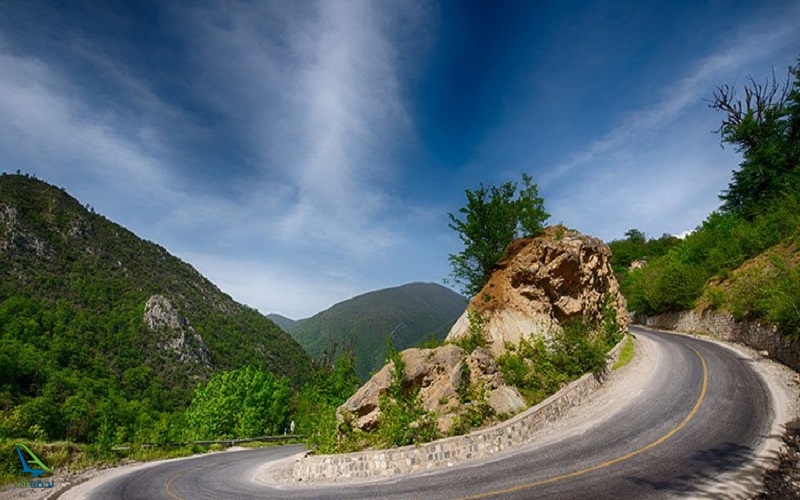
(702, 414)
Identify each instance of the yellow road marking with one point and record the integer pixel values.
(168, 487)
(617, 460)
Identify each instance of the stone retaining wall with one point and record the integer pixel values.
(724, 326)
(450, 451)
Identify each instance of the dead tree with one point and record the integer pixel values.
(759, 100)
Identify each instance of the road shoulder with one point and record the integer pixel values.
(783, 385)
(621, 388)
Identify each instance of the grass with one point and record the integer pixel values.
(626, 355)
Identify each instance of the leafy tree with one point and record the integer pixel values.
(660, 246)
(674, 285)
(315, 404)
(636, 237)
(241, 403)
(765, 127)
(492, 218)
(530, 208)
(636, 246)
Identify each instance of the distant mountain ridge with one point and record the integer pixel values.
(285, 323)
(408, 314)
(96, 321)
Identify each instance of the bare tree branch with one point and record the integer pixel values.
(758, 99)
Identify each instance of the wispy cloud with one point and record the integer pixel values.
(47, 125)
(263, 143)
(274, 287)
(660, 169)
(320, 101)
(309, 95)
(678, 97)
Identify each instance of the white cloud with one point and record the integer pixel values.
(319, 100)
(314, 98)
(48, 126)
(688, 92)
(661, 168)
(269, 287)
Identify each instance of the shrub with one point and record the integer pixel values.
(538, 367)
(781, 305)
(403, 421)
(475, 397)
(475, 336)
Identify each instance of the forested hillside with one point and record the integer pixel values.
(408, 315)
(743, 258)
(104, 336)
(285, 323)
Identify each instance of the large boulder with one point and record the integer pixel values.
(541, 283)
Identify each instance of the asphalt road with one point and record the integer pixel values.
(703, 414)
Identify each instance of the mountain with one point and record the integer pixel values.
(285, 323)
(98, 325)
(409, 314)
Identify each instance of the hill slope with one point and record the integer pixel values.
(285, 323)
(765, 288)
(410, 314)
(98, 325)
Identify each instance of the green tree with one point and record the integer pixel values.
(761, 209)
(623, 252)
(315, 404)
(764, 126)
(636, 246)
(241, 403)
(492, 218)
(673, 285)
(530, 208)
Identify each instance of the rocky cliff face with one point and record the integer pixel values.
(541, 283)
(160, 315)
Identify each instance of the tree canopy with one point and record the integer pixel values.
(493, 217)
(764, 126)
(241, 403)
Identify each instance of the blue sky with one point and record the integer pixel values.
(301, 153)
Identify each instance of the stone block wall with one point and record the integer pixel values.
(450, 451)
(723, 325)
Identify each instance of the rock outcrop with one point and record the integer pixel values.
(438, 374)
(15, 238)
(541, 283)
(160, 315)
